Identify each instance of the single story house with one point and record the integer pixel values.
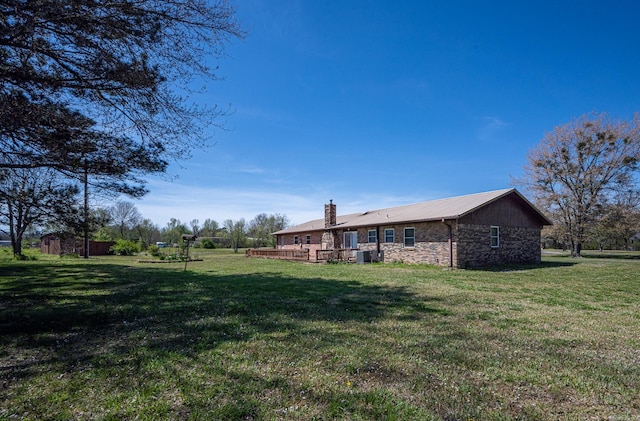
(475, 230)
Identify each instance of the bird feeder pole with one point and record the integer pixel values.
(187, 238)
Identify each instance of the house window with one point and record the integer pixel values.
(296, 240)
(409, 237)
(308, 239)
(388, 235)
(495, 237)
(373, 237)
(351, 240)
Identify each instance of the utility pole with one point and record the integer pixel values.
(85, 224)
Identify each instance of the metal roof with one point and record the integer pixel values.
(434, 210)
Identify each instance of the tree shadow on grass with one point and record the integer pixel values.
(74, 315)
(259, 346)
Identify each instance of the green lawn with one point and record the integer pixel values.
(249, 339)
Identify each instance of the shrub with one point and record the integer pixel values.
(207, 243)
(125, 248)
(154, 250)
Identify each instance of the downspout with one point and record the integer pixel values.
(450, 242)
(378, 242)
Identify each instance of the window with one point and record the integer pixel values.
(373, 236)
(351, 240)
(389, 235)
(308, 239)
(409, 237)
(296, 240)
(495, 237)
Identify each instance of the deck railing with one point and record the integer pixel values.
(337, 255)
(279, 254)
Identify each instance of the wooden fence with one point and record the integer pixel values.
(279, 254)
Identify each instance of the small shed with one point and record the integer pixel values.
(59, 243)
(65, 243)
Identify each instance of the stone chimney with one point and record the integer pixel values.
(330, 214)
(328, 238)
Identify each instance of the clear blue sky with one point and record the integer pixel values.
(382, 103)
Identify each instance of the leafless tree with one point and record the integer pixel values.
(32, 197)
(577, 168)
(125, 215)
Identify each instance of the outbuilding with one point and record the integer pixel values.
(65, 243)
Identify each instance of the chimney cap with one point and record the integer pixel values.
(331, 201)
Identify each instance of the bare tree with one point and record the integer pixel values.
(125, 216)
(195, 226)
(174, 230)
(31, 197)
(262, 227)
(578, 166)
(148, 232)
(236, 232)
(619, 221)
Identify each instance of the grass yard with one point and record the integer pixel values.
(249, 339)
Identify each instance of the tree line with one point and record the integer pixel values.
(123, 221)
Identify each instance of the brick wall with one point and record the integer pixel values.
(286, 242)
(517, 245)
(431, 243)
(471, 245)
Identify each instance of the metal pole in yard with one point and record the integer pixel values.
(188, 238)
(186, 259)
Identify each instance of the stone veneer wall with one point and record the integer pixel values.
(328, 240)
(517, 245)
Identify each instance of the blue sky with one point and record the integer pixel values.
(383, 103)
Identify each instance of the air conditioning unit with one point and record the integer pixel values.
(363, 256)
